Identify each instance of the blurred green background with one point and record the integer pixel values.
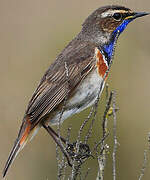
(32, 34)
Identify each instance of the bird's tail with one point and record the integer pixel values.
(20, 142)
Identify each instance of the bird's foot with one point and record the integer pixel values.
(78, 151)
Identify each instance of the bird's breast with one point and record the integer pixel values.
(84, 96)
(87, 91)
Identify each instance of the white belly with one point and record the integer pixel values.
(85, 96)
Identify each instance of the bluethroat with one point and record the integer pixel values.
(75, 76)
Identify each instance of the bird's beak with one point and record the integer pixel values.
(137, 15)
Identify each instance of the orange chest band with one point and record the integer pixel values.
(101, 63)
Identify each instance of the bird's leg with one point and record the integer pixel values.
(57, 139)
(54, 133)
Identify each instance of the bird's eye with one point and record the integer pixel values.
(117, 16)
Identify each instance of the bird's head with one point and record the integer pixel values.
(104, 24)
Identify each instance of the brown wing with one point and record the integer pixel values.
(71, 66)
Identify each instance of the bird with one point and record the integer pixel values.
(76, 75)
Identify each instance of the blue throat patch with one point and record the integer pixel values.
(109, 48)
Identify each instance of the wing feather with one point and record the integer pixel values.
(55, 85)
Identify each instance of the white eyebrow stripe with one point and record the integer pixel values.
(111, 12)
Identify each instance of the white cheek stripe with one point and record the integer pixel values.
(111, 12)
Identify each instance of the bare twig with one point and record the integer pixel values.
(105, 117)
(84, 123)
(88, 135)
(68, 134)
(75, 171)
(143, 166)
(99, 143)
(115, 136)
(102, 162)
(107, 91)
(101, 156)
(145, 159)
